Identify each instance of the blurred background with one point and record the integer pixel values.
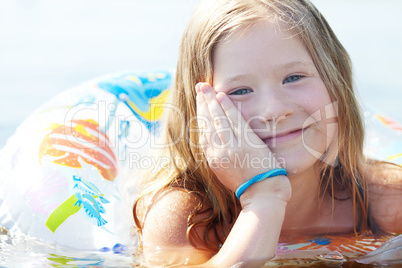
(49, 46)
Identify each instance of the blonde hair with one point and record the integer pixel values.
(213, 22)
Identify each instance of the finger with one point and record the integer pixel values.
(240, 126)
(224, 131)
(238, 123)
(203, 141)
(203, 120)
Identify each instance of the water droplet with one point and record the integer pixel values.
(104, 249)
(334, 256)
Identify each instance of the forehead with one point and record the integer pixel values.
(262, 46)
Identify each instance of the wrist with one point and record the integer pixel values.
(277, 188)
(260, 177)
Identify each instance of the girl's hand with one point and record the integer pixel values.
(389, 252)
(254, 236)
(233, 151)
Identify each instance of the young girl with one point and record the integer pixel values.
(267, 144)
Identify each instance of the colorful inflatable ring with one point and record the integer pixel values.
(383, 138)
(330, 250)
(68, 173)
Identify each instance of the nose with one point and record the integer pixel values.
(274, 107)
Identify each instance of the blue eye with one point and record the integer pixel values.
(292, 78)
(241, 91)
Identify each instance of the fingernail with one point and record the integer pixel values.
(198, 87)
(204, 87)
(220, 96)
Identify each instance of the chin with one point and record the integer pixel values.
(303, 154)
(296, 162)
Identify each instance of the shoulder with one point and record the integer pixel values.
(167, 216)
(167, 212)
(164, 220)
(383, 173)
(385, 194)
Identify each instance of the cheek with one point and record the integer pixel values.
(318, 103)
(245, 109)
(323, 115)
(325, 127)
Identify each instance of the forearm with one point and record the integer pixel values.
(254, 237)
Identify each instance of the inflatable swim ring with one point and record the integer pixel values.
(332, 250)
(383, 137)
(66, 174)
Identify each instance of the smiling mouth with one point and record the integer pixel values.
(282, 138)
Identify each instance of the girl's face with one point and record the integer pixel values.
(270, 76)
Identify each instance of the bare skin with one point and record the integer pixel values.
(253, 238)
(266, 74)
(385, 187)
(166, 222)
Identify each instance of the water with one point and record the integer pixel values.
(47, 47)
(25, 251)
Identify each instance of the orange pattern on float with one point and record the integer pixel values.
(390, 123)
(80, 139)
(343, 244)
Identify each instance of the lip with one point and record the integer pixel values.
(284, 137)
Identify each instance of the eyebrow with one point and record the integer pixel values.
(235, 78)
(295, 64)
(285, 66)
